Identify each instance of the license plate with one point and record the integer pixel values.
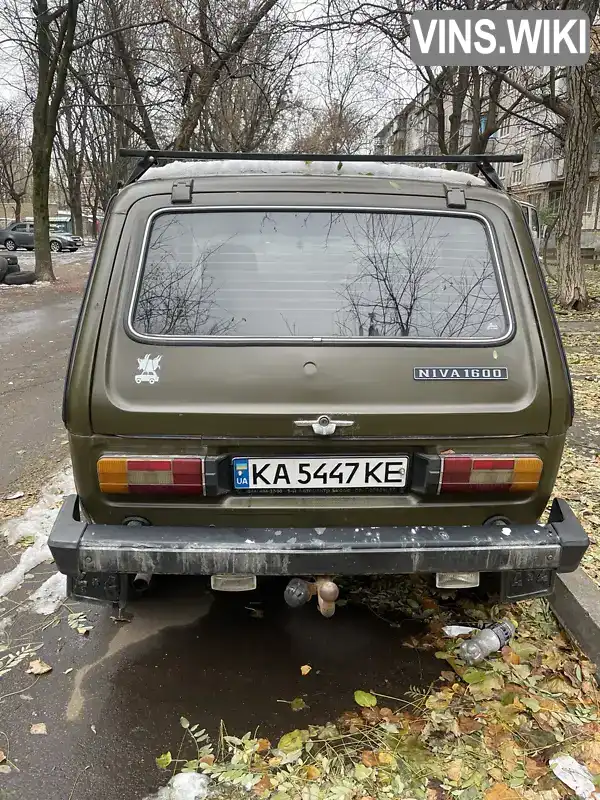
(526, 583)
(308, 474)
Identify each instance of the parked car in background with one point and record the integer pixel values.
(20, 235)
(63, 226)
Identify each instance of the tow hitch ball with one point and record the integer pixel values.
(298, 592)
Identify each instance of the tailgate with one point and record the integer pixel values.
(237, 324)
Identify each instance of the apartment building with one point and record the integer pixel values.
(538, 180)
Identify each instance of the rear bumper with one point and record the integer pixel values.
(80, 547)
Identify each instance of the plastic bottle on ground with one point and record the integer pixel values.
(487, 641)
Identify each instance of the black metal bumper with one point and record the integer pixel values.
(80, 547)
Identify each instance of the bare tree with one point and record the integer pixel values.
(54, 37)
(15, 156)
(70, 154)
(573, 98)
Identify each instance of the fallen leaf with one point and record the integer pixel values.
(534, 769)
(591, 750)
(263, 746)
(263, 785)
(495, 735)
(435, 793)
(66, 672)
(509, 655)
(486, 689)
(454, 770)
(500, 791)
(93, 728)
(371, 715)
(2, 756)
(305, 669)
(468, 725)
(368, 758)
(417, 725)
(472, 675)
(164, 760)
(365, 699)
(14, 496)
(4, 769)
(386, 759)
(531, 703)
(209, 759)
(38, 728)
(361, 773)
(290, 742)
(510, 755)
(298, 704)
(311, 773)
(38, 667)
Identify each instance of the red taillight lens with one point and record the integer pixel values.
(159, 475)
(476, 473)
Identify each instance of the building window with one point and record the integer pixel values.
(554, 200)
(501, 169)
(543, 149)
(516, 176)
(504, 127)
(521, 128)
(590, 196)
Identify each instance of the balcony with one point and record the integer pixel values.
(553, 171)
(549, 171)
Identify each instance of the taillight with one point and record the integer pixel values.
(156, 475)
(476, 473)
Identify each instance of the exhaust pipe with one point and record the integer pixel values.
(141, 582)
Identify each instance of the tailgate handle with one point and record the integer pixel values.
(323, 425)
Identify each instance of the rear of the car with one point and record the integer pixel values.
(304, 376)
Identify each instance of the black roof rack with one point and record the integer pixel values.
(150, 158)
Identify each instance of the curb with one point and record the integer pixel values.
(576, 603)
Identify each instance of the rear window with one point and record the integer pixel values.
(318, 275)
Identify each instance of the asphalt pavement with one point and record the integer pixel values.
(113, 699)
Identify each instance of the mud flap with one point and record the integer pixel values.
(525, 584)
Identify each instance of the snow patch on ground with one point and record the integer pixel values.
(185, 786)
(36, 523)
(200, 169)
(50, 594)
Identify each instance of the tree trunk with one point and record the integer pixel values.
(572, 291)
(75, 206)
(41, 156)
(18, 207)
(95, 219)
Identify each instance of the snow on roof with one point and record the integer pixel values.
(199, 169)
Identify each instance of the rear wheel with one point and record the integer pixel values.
(55, 246)
(10, 245)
